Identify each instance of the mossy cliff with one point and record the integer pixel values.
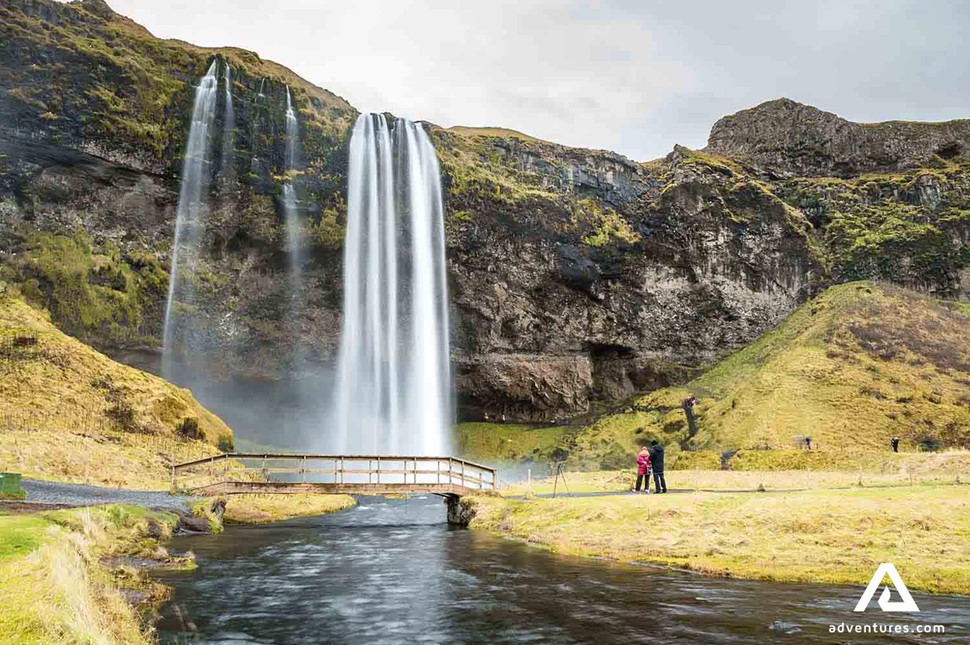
(577, 276)
(857, 365)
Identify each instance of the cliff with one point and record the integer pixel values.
(576, 276)
(851, 368)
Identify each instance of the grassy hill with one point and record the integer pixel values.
(858, 364)
(70, 413)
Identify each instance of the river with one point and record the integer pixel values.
(392, 571)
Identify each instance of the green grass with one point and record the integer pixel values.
(259, 509)
(21, 534)
(496, 442)
(762, 536)
(54, 587)
(851, 368)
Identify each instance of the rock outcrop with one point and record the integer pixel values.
(788, 139)
(576, 276)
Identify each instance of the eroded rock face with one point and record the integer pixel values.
(575, 275)
(787, 139)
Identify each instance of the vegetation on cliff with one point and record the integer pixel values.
(70, 413)
(625, 275)
(855, 366)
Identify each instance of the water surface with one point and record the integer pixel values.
(392, 571)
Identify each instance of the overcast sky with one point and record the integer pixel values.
(631, 76)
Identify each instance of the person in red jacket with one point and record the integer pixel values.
(643, 470)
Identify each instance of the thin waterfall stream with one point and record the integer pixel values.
(291, 213)
(189, 219)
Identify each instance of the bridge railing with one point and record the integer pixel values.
(333, 469)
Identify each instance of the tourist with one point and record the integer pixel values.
(895, 443)
(808, 443)
(657, 461)
(643, 470)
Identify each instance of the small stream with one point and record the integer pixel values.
(392, 571)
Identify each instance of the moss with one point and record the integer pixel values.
(878, 226)
(608, 225)
(92, 291)
(205, 508)
(507, 442)
(328, 232)
(857, 365)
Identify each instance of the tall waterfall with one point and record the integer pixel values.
(394, 378)
(291, 213)
(189, 215)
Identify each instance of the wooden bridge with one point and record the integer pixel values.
(285, 473)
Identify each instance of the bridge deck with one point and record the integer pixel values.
(284, 473)
(245, 488)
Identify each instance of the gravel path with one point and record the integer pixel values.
(41, 492)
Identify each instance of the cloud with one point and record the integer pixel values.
(631, 76)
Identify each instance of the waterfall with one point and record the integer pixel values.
(189, 216)
(393, 392)
(228, 125)
(290, 211)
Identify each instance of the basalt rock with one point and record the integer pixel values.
(789, 139)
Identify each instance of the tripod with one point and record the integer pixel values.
(555, 484)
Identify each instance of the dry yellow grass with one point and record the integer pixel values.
(259, 509)
(826, 536)
(59, 592)
(486, 131)
(890, 470)
(68, 412)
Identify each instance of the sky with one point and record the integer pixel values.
(631, 76)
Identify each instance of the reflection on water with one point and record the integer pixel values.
(392, 571)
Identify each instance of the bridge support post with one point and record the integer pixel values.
(458, 515)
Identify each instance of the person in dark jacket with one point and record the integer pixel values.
(643, 470)
(657, 463)
(895, 444)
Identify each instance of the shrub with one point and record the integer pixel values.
(189, 428)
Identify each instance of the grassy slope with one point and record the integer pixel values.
(53, 585)
(68, 412)
(506, 441)
(758, 535)
(851, 368)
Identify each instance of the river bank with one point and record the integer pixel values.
(391, 569)
(821, 536)
(86, 574)
(75, 575)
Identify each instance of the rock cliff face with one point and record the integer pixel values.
(576, 276)
(786, 139)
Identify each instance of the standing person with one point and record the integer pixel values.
(657, 461)
(808, 443)
(643, 470)
(895, 443)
